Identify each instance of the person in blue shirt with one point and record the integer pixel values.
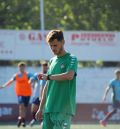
(114, 84)
(38, 86)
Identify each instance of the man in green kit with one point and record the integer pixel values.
(59, 95)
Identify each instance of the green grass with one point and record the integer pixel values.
(80, 126)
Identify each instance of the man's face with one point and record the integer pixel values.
(56, 46)
(21, 68)
(44, 68)
(118, 75)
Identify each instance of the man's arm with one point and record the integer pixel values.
(31, 82)
(7, 83)
(106, 92)
(68, 75)
(60, 77)
(41, 92)
(42, 103)
(64, 76)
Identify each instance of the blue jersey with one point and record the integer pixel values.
(115, 85)
(38, 84)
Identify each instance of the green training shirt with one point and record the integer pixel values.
(61, 95)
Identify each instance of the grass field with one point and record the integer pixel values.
(80, 126)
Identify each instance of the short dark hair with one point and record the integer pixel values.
(20, 64)
(55, 34)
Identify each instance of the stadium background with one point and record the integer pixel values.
(91, 81)
(92, 35)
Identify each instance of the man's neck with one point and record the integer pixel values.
(62, 53)
(22, 72)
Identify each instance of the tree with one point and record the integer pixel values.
(19, 14)
(64, 14)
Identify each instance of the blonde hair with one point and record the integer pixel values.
(21, 64)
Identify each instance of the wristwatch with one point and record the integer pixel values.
(48, 77)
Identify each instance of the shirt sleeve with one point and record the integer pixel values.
(72, 64)
(34, 77)
(30, 75)
(42, 83)
(14, 77)
(110, 84)
(49, 63)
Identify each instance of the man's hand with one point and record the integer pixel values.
(38, 115)
(42, 76)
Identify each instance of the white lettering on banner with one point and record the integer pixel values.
(90, 38)
(100, 114)
(5, 111)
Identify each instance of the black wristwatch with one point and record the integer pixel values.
(48, 77)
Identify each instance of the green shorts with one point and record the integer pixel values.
(56, 121)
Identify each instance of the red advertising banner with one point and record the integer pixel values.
(85, 112)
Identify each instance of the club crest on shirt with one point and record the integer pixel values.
(62, 66)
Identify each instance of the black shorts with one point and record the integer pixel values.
(36, 101)
(116, 104)
(24, 100)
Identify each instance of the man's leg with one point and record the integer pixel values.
(61, 121)
(109, 114)
(103, 122)
(22, 115)
(34, 109)
(23, 103)
(47, 122)
(107, 117)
